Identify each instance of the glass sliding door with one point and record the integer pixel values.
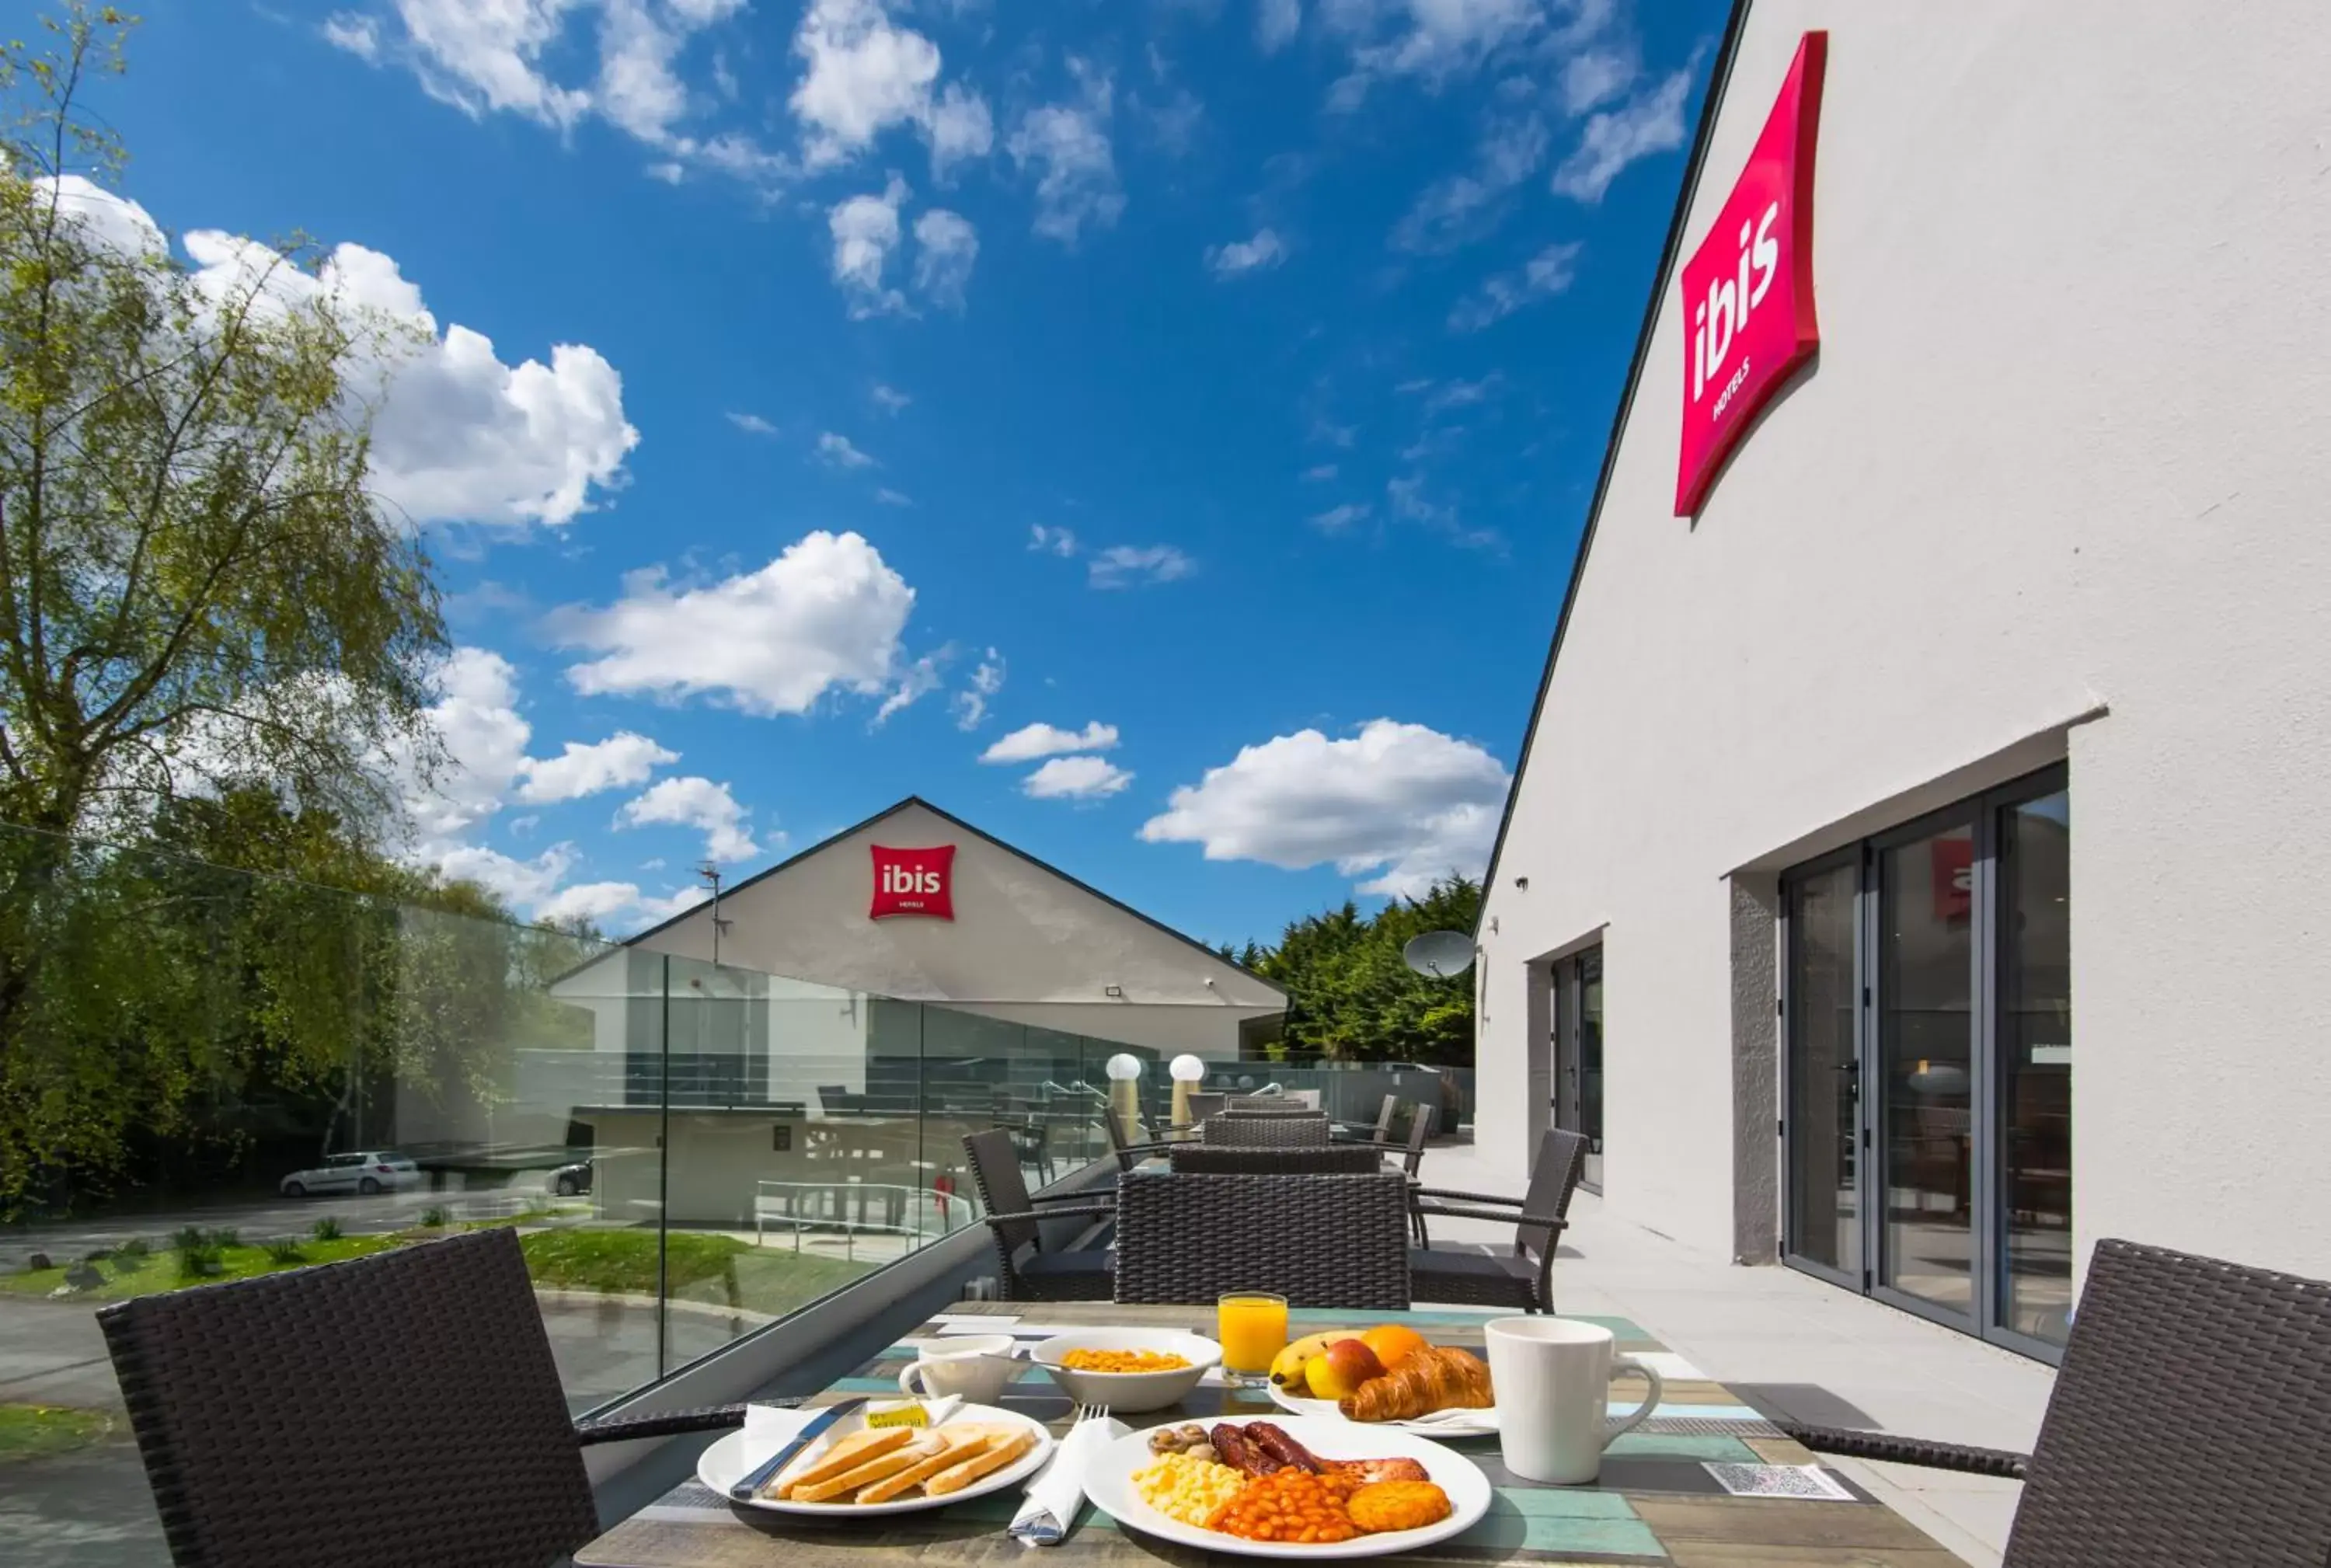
(2034, 1153)
(1927, 1103)
(1822, 1118)
(1578, 1051)
(1926, 1014)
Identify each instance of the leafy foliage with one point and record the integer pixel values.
(1352, 998)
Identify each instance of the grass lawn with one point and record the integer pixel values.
(704, 1267)
(35, 1431)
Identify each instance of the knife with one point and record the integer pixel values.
(744, 1491)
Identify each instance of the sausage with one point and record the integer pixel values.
(1274, 1441)
(1232, 1449)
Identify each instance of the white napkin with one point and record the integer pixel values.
(1058, 1489)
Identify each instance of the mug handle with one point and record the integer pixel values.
(1642, 1412)
(907, 1381)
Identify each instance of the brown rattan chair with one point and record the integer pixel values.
(2186, 1425)
(1129, 1154)
(1388, 1113)
(1525, 1280)
(402, 1406)
(1334, 1241)
(1026, 1269)
(1333, 1160)
(1267, 1104)
(1229, 1132)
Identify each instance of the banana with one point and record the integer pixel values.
(1287, 1366)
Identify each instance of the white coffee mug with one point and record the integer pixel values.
(977, 1367)
(1553, 1377)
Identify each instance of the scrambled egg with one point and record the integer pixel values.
(1191, 1490)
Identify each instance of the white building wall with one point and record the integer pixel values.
(2057, 488)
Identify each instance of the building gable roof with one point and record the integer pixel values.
(914, 802)
(1711, 105)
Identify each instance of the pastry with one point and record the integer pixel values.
(1433, 1379)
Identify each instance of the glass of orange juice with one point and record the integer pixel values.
(1252, 1327)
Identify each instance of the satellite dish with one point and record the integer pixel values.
(1439, 954)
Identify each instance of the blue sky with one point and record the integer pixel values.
(819, 393)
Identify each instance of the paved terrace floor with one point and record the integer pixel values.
(1803, 1348)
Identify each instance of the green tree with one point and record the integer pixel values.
(213, 637)
(1352, 997)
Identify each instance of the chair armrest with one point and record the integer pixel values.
(1900, 1451)
(1051, 1214)
(1465, 1211)
(712, 1418)
(1066, 1197)
(1466, 1197)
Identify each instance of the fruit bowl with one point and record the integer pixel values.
(1129, 1392)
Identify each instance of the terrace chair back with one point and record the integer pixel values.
(1333, 1241)
(1267, 1104)
(1553, 1182)
(1026, 1269)
(1265, 1132)
(1002, 1191)
(404, 1402)
(1335, 1160)
(1419, 1128)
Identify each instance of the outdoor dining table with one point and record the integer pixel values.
(1656, 1502)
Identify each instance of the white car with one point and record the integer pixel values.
(366, 1173)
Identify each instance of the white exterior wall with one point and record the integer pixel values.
(2065, 456)
(1024, 944)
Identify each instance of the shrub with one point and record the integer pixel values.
(199, 1261)
(135, 1246)
(433, 1216)
(187, 1236)
(99, 1256)
(325, 1230)
(226, 1236)
(285, 1250)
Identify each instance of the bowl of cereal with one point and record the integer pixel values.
(1130, 1370)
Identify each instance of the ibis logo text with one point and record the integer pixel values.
(1748, 290)
(914, 882)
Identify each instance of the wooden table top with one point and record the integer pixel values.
(1656, 1502)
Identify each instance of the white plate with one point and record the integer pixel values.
(1448, 1423)
(731, 1459)
(1109, 1484)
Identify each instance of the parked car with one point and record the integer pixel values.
(571, 1181)
(364, 1173)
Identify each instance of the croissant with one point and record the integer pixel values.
(1434, 1378)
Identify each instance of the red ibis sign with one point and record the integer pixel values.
(914, 882)
(1748, 290)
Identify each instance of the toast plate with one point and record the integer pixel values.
(1108, 1483)
(732, 1458)
(1444, 1423)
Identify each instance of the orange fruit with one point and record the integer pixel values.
(1393, 1342)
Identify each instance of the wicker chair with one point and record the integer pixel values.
(1265, 1132)
(1388, 1113)
(1334, 1241)
(1335, 1160)
(1024, 1269)
(2186, 1424)
(1526, 1279)
(1129, 1154)
(1269, 1105)
(402, 1405)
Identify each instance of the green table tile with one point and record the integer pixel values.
(1662, 1446)
(1507, 1528)
(1563, 1503)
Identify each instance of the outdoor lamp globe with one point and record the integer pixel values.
(1125, 1094)
(1188, 1071)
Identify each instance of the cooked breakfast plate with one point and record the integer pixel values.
(1253, 1486)
(856, 1473)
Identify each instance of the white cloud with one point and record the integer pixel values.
(752, 423)
(867, 74)
(837, 451)
(1325, 471)
(1433, 39)
(971, 703)
(947, 246)
(1068, 144)
(1458, 209)
(1264, 250)
(358, 33)
(1595, 76)
(1124, 565)
(1398, 803)
(824, 616)
(1276, 21)
(1060, 542)
(1075, 778)
(525, 883)
(1542, 277)
(591, 901)
(1032, 741)
(884, 494)
(865, 230)
(888, 399)
(917, 682)
(1335, 519)
(619, 762)
(484, 740)
(1441, 398)
(695, 801)
(1650, 124)
(483, 58)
